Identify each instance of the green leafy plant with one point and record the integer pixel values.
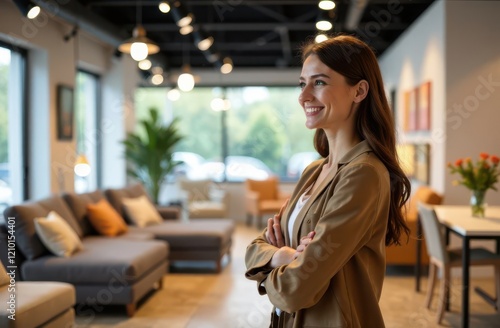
(150, 153)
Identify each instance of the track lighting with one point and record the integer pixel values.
(27, 8)
(181, 16)
(203, 41)
(320, 38)
(164, 7)
(227, 66)
(326, 4)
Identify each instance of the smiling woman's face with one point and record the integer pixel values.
(326, 97)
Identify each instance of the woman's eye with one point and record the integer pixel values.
(302, 85)
(319, 82)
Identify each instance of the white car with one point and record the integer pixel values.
(237, 169)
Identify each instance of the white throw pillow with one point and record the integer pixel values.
(57, 235)
(4, 277)
(141, 211)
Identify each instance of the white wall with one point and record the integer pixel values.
(51, 62)
(416, 57)
(473, 106)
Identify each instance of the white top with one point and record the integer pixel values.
(300, 203)
(460, 220)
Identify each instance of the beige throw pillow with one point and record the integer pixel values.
(57, 235)
(141, 211)
(4, 278)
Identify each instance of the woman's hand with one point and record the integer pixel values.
(286, 254)
(304, 242)
(283, 256)
(273, 233)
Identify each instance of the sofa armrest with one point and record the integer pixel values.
(4, 252)
(169, 212)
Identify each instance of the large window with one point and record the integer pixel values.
(262, 134)
(87, 135)
(12, 126)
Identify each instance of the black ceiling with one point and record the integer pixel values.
(257, 33)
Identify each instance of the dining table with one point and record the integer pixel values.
(458, 219)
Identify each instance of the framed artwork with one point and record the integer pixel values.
(411, 107)
(65, 112)
(424, 107)
(406, 154)
(422, 163)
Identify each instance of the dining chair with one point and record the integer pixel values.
(445, 258)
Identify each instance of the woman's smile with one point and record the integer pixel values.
(313, 110)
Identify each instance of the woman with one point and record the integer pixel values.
(321, 260)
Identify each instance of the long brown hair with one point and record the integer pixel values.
(354, 59)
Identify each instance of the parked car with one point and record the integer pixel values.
(298, 162)
(190, 165)
(235, 169)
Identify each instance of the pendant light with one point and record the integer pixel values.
(139, 46)
(185, 81)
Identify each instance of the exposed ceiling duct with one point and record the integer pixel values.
(355, 13)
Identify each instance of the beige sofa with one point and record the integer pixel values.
(35, 304)
(204, 199)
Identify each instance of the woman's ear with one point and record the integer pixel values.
(361, 91)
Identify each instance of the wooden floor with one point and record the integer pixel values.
(207, 300)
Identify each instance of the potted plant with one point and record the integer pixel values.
(150, 152)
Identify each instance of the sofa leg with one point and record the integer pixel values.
(131, 309)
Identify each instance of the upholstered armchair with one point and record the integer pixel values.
(263, 197)
(204, 198)
(406, 253)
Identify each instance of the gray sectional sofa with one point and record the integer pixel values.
(107, 271)
(196, 240)
(112, 270)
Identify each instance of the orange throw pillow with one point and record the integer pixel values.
(105, 219)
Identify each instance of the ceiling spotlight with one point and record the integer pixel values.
(211, 57)
(181, 16)
(164, 7)
(157, 70)
(185, 30)
(320, 38)
(324, 25)
(326, 4)
(204, 43)
(27, 8)
(145, 64)
(324, 20)
(227, 66)
(157, 79)
(173, 94)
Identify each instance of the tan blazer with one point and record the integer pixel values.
(337, 281)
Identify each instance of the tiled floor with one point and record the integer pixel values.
(206, 300)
